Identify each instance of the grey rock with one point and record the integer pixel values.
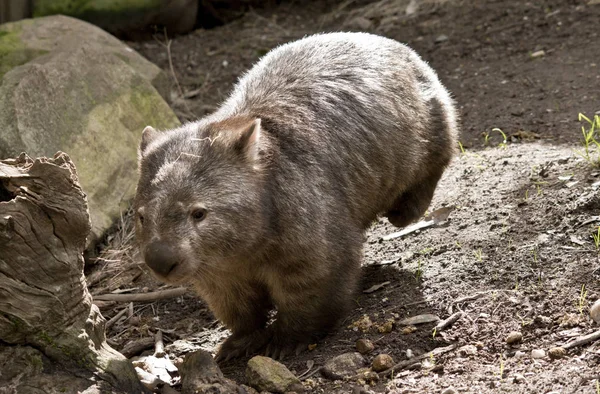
(266, 374)
(68, 86)
(343, 365)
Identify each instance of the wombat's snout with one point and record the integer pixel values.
(160, 257)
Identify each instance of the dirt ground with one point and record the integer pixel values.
(517, 252)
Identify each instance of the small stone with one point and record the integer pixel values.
(449, 390)
(518, 378)
(419, 319)
(467, 350)
(519, 354)
(514, 338)
(537, 54)
(364, 346)
(441, 38)
(538, 353)
(557, 352)
(367, 375)
(595, 312)
(343, 365)
(266, 374)
(409, 353)
(363, 324)
(408, 330)
(386, 327)
(382, 362)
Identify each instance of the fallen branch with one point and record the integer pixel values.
(583, 340)
(134, 348)
(442, 325)
(143, 297)
(115, 318)
(159, 345)
(404, 364)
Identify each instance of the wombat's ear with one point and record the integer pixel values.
(248, 139)
(148, 135)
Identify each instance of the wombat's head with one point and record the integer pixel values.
(199, 204)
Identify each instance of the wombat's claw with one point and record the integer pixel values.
(240, 345)
(280, 351)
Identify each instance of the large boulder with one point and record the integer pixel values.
(66, 85)
(126, 17)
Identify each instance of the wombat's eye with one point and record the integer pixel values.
(198, 213)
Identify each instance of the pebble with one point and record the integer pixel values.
(518, 378)
(382, 362)
(408, 330)
(595, 312)
(557, 352)
(467, 350)
(538, 54)
(514, 337)
(419, 319)
(364, 346)
(409, 353)
(441, 38)
(266, 374)
(519, 354)
(386, 327)
(538, 353)
(343, 366)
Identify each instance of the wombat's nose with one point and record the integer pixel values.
(160, 257)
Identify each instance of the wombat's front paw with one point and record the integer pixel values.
(241, 345)
(280, 347)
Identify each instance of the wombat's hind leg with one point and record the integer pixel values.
(413, 203)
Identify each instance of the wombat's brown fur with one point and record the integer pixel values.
(265, 203)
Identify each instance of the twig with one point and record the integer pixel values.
(583, 340)
(142, 297)
(469, 298)
(404, 364)
(159, 346)
(115, 318)
(314, 371)
(136, 347)
(442, 325)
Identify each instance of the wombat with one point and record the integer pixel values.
(263, 205)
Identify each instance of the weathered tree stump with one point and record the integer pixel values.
(51, 335)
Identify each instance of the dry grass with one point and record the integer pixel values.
(118, 257)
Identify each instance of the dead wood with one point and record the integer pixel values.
(46, 311)
(142, 297)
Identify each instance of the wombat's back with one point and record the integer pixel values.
(361, 111)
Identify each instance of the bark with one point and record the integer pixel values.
(48, 323)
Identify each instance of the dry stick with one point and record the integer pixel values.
(143, 297)
(159, 345)
(583, 340)
(442, 325)
(403, 364)
(115, 318)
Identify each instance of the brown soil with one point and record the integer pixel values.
(517, 249)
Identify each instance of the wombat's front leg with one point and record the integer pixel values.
(413, 203)
(244, 310)
(309, 306)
